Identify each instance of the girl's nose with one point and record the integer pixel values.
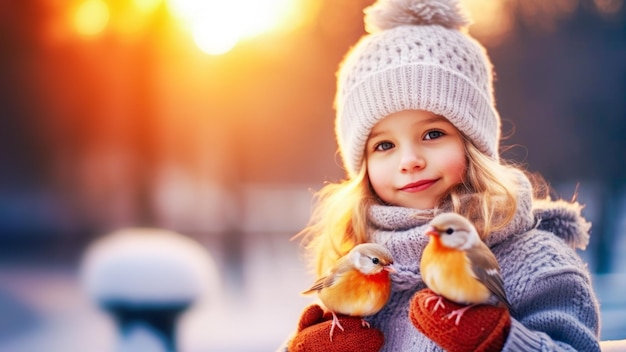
(411, 160)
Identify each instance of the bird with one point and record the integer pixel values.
(357, 285)
(458, 265)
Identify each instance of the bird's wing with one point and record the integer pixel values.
(320, 283)
(329, 279)
(485, 267)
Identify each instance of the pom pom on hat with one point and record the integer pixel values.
(386, 14)
(416, 57)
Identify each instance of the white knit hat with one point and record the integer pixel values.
(416, 57)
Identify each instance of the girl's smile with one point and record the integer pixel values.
(418, 186)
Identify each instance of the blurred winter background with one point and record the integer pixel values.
(214, 119)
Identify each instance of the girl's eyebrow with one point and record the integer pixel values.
(433, 119)
(374, 135)
(436, 118)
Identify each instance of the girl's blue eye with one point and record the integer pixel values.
(433, 134)
(384, 146)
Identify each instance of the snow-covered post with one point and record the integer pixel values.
(146, 278)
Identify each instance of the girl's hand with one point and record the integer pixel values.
(314, 334)
(481, 328)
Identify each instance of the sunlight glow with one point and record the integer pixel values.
(146, 6)
(91, 17)
(218, 25)
(609, 6)
(495, 20)
(131, 19)
(491, 19)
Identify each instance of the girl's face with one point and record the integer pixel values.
(414, 158)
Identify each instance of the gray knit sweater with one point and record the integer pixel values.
(546, 282)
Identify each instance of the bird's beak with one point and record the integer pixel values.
(432, 231)
(390, 269)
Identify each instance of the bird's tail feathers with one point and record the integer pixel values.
(308, 292)
(505, 303)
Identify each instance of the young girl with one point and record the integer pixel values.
(418, 132)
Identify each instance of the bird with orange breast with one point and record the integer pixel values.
(357, 285)
(457, 265)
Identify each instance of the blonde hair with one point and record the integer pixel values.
(340, 218)
(339, 221)
(488, 194)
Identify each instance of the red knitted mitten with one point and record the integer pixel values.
(481, 328)
(314, 334)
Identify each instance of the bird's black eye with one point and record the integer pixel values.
(449, 231)
(375, 260)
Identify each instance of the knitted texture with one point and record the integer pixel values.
(546, 282)
(481, 328)
(565, 219)
(415, 58)
(314, 328)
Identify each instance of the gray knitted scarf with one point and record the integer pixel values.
(401, 230)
